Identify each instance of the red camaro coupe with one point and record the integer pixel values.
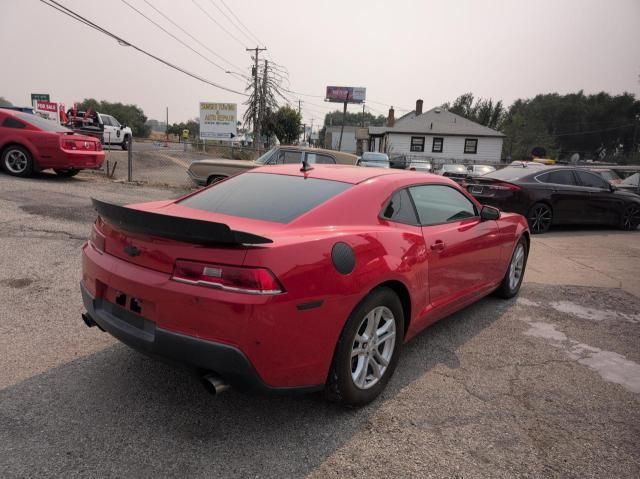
(283, 278)
(29, 143)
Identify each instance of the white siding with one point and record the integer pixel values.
(348, 141)
(489, 148)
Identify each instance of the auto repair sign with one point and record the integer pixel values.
(218, 121)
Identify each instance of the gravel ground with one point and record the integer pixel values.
(546, 385)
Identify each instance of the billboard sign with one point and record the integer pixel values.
(47, 110)
(39, 97)
(218, 121)
(350, 94)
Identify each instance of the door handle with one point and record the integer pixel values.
(438, 245)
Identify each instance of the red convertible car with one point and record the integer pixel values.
(29, 143)
(283, 278)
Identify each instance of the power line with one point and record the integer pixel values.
(217, 23)
(70, 13)
(172, 35)
(231, 21)
(240, 22)
(192, 37)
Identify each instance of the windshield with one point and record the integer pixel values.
(455, 168)
(609, 175)
(372, 156)
(511, 173)
(264, 159)
(41, 123)
(267, 197)
(484, 169)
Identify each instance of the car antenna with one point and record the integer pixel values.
(305, 165)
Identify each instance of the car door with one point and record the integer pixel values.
(463, 251)
(568, 199)
(108, 135)
(603, 206)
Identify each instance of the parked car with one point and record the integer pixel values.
(607, 175)
(29, 143)
(373, 159)
(280, 280)
(24, 109)
(456, 172)
(557, 195)
(630, 184)
(205, 172)
(479, 170)
(102, 126)
(423, 166)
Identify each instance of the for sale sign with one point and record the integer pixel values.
(47, 110)
(218, 121)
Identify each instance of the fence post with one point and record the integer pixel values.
(130, 162)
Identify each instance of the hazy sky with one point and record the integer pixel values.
(399, 50)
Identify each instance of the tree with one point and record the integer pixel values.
(481, 111)
(353, 119)
(284, 124)
(130, 115)
(264, 99)
(5, 102)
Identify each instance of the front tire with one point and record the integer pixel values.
(540, 217)
(512, 280)
(125, 143)
(67, 173)
(17, 161)
(368, 350)
(630, 218)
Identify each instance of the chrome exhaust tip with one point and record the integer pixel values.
(214, 383)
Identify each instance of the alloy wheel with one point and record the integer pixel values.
(631, 217)
(540, 218)
(516, 267)
(16, 161)
(373, 347)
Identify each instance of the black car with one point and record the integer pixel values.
(557, 195)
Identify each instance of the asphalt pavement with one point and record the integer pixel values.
(544, 385)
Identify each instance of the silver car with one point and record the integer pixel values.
(372, 159)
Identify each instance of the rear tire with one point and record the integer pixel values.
(630, 218)
(67, 173)
(125, 143)
(17, 161)
(368, 350)
(540, 217)
(512, 280)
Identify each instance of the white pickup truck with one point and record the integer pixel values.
(114, 133)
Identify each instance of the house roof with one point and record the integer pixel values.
(436, 122)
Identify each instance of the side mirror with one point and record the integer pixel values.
(489, 213)
(612, 187)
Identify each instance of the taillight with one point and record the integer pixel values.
(69, 145)
(98, 146)
(228, 278)
(97, 239)
(505, 186)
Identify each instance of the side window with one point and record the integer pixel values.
(400, 208)
(590, 179)
(106, 120)
(320, 159)
(558, 177)
(288, 157)
(440, 204)
(10, 122)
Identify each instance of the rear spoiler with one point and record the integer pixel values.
(173, 227)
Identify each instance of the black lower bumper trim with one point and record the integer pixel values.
(143, 335)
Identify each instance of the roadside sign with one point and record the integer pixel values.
(349, 94)
(39, 97)
(218, 121)
(47, 110)
(185, 134)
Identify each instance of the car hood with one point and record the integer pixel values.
(236, 163)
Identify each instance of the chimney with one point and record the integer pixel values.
(391, 119)
(418, 107)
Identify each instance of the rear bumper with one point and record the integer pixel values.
(144, 336)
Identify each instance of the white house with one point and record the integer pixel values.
(332, 138)
(436, 134)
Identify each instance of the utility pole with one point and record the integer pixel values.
(362, 115)
(166, 129)
(256, 127)
(344, 116)
(299, 106)
(263, 97)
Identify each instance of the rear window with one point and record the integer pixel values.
(39, 122)
(511, 173)
(264, 196)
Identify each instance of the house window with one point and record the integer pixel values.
(471, 145)
(437, 145)
(417, 143)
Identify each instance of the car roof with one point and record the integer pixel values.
(312, 149)
(344, 173)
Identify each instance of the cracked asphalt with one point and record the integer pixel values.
(544, 385)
